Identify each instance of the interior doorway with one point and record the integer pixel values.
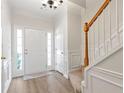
(59, 51)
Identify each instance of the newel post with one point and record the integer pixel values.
(86, 59)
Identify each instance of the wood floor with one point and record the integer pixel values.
(52, 83)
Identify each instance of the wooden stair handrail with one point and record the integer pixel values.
(86, 29)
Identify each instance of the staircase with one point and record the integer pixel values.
(101, 76)
(77, 76)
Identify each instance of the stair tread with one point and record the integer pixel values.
(76, 77)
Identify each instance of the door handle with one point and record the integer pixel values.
(3, 58)
(62, 52)
(25, 53)
(26, 49)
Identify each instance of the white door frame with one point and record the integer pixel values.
(52, 52)
(15, 47)
(0, 52)
(52, 67)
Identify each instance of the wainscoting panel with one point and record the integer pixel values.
(115, 40)
(108, 39)
(96, 53)
(121, 35)
(100, 85)
(108, 30)
(103, 81)
(102, 49)
(6, 75)
(107, 45)
(75, 59)
(120, 13)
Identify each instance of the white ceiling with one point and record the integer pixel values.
(32, 7)
(81, 3)
(92, 3)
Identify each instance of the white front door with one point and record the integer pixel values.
(59, 51)
(35, 49)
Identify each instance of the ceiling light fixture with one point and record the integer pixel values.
(53, 4)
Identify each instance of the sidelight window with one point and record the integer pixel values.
(49, 45)
(19, 50)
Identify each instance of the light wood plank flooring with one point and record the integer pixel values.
(51, 83)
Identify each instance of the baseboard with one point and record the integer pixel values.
(66, 76)
(7, 86)
(76, 68)
(36, 75)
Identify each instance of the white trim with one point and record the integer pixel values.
(106, 56)
(115, 39)
(102, 49)
(6, 79)
(103, 74)
(83, 83)
(73, 53)
(83, 87)
(7, 86)
(114, 34)
(108, 45)
(97, 62)
(76, 68)
(108, 75)
(121, 35)
(66, 76)
(121, 28)
(23, 31)
(109, 72)
(31, 76)
(16, 73)
(112, 43)
(106, 80)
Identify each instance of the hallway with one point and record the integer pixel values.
(61, 46)
(51, 83)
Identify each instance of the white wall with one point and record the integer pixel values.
(32, 22)
(74, 27)
(71, 23)
(75, 14)
(6, 45)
